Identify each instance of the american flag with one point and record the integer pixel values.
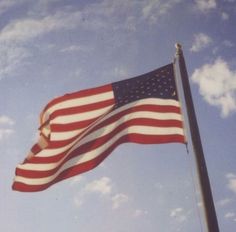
(84, 127)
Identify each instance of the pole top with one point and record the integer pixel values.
(178, 49)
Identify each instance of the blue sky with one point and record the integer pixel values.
(49, 48)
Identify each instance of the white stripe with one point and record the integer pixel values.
(146, 130)
(60, 136)
(80, 116)
(81, 101)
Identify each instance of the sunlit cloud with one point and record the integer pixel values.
(217, 85)
(119, 16)
(7, 4)
(200, 42)
(224, 16)
(71, 48)
(76, 180)
(230, 215)
(231, 177)
(5, 127)
(5, 120)
(102, 186)
(139, 213)
(224, 202)
(118, 200)
(205, 5)
(227, 43)
(153, 9)
(178, 214)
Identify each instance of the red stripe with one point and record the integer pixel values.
(72, 126)
(84, 167)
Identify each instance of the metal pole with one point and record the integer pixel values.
(208, 203)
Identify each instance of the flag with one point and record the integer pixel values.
(84, 127)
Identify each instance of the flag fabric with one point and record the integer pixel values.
(84, 127)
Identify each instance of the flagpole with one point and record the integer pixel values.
(208, 203)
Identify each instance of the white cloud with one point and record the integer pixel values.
(12, 57)
(201, 41)
(228, 43)
(76, 48)
(205, 5)
(123, 15)
(224, 202)
(178, 214)
(5, 120)
(7, 4)
(119, 199)
(231, 181)
(26, 29)
(102, 186)
(230, 215)
(217, 85)
(175, 212)
(139, 213)
(5, 133)
(76, 180)
(17, 33)
(224, 16)
(153, 9)
(5, 123)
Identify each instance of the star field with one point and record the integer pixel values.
(159, 83)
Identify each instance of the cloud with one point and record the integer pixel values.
(23, 30)
(102, 186)
(230, 215)
(71, 48)
(15, 35)
(178, 214)
(118, 200)
(217, 85)
(201, 41)
(76, 180)
(121, 16)
(5, 120)
(205, 5)
(224, 16)
(227, 43)
(7, 4)
(231, 181)
(224, 202)
(5, 133)
(139, 213)
(5, 127)
(11, 58)
(153, 9)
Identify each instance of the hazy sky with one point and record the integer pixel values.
(52, 47)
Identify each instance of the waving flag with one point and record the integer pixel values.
(84, 127)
